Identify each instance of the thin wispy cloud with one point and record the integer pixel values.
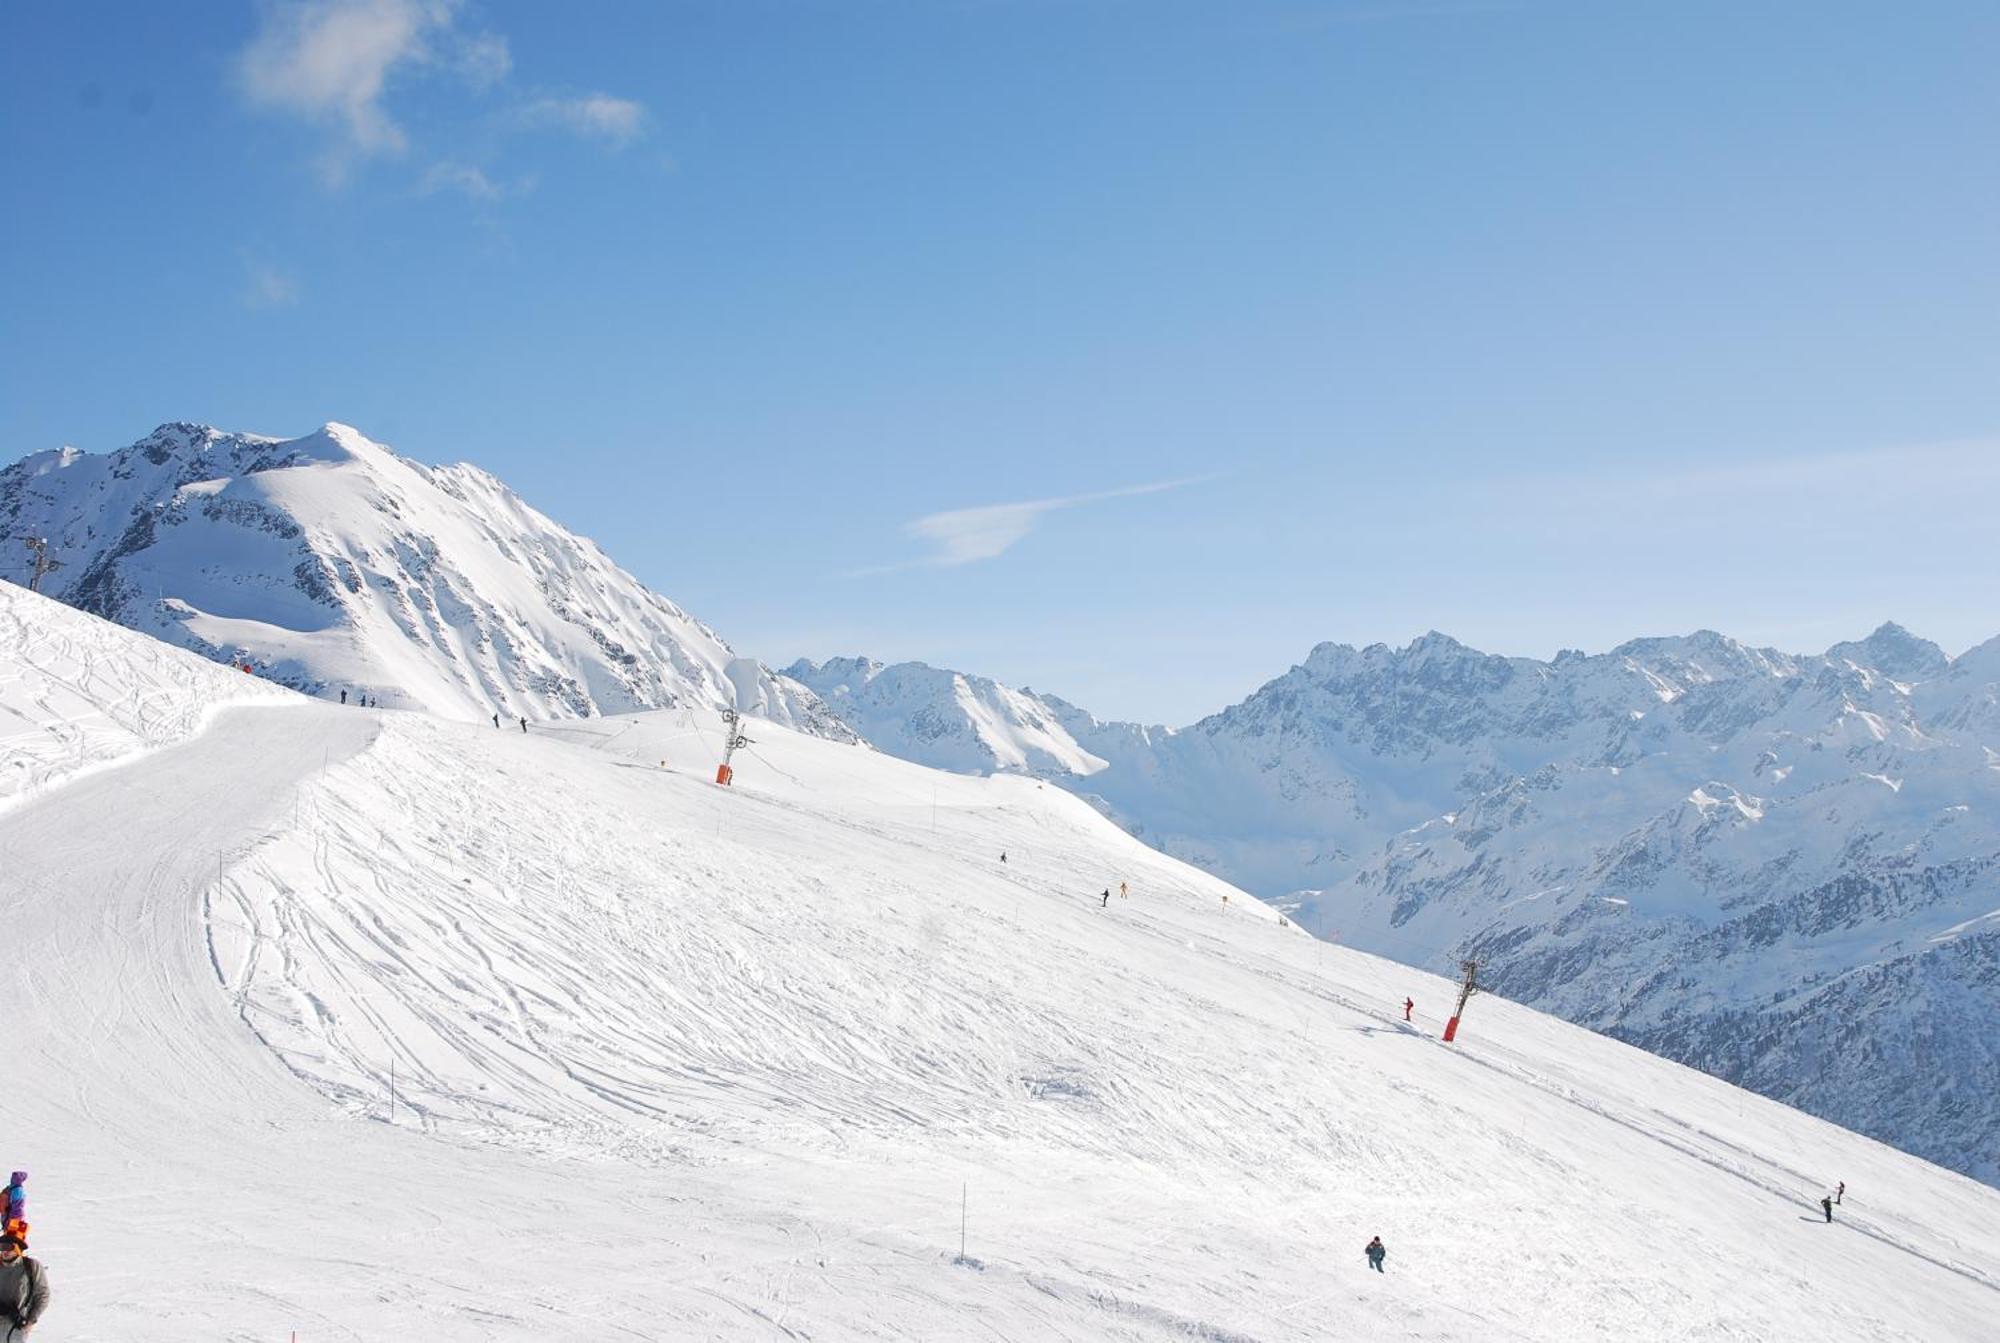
(968, 535)
(465, 179)
(485, 60)
(266, 286)
(599, 116)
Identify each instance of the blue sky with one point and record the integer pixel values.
(1124, 349)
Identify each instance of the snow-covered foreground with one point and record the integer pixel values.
(679, 1062)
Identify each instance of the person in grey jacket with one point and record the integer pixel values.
(24, 1289)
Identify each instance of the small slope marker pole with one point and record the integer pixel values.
(964, 1198)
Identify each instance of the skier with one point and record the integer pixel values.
(1121, 890)
(1003, 857)
(524, 725)
(24, 1289)
(1106, 902)
(496, 720)
(1376, 1253)
(343, 697)
(1841, 1192)
(1409, 1006)
(15, 1201)
(1827, 1204)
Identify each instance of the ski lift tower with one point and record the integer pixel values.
(45, 564)
(732, 723)
(1470, 987)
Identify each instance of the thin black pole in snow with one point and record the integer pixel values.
(392, 1088)
(964, 1196)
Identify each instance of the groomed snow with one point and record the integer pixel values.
(681, 1062)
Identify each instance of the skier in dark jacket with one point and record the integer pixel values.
(1106, 902)
(1409, 1006)
(1841, 1192)
(1827, 1204)
(496, 720)
(24, 1289)
(524, 725)
(1376, 1253)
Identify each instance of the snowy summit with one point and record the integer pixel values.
(330, 563)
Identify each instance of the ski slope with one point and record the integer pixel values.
(78, 693)
(673, 1061)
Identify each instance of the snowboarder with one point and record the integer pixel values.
(1106, 902)
(1409, 1006)
(524, 725)
(1827, 1204)
(24, 1289)
(1841, 1192)
(1376, 1253)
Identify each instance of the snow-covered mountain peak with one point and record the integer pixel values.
(1894, 651)
(329, 562)
(1705, 656)
(947, 719)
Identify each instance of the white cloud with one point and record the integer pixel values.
(330, 60)
(334, 63)
(266, 286)
(968, 535)
(599, 115)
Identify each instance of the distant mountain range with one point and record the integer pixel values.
(1782, 869)
(330, 563)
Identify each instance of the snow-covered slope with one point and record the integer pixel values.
(1771, 866)
(77, 694)
(671, 1061)
(330, 563)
